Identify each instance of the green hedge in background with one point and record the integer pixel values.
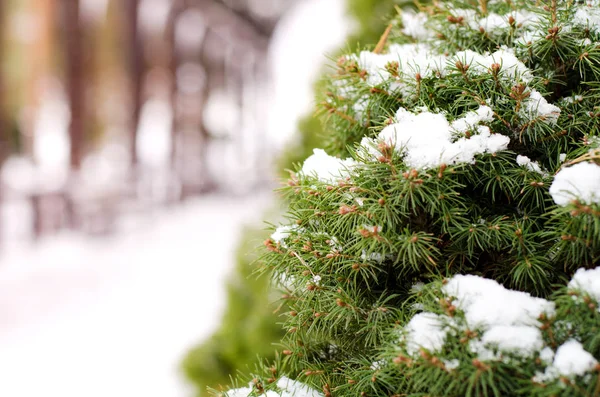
(250, 327)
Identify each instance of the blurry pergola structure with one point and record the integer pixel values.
(229, 54)
(233, 56)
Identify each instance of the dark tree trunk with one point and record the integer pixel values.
(135, 68)
(74, 76)
(174, 61)
(4, 131)
(5, 138)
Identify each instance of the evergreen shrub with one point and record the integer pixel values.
(447, 240)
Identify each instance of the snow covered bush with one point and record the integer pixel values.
(228, 351)
(446, 242)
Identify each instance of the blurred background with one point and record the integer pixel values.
(140, 141)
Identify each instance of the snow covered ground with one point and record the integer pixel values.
(114, 316)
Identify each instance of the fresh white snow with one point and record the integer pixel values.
(282, 233)
(114, 316)
(425, 330)
(426, 139)
(287, 386)
(507, 320)
(309, 32)
(326, 168)
(530, 165)
(588, 17)
(587, 281)
(580, 181)
(486, 302)
(570, 360)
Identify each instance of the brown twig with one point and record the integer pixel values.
(383, 40)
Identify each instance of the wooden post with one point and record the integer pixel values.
(176, 10)
(4, 126)
(75, 76)
(135, 67)
(4, 131)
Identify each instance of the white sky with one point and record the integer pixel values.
(302, 40)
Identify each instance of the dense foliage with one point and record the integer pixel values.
(228, 351)
(453, 250)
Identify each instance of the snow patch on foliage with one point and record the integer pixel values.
(372, 257)
(520, 340)
(293, 388)
(473, 118)
(425, 330)
(547, 355)
(588, 17)
(411, 59)
(495, 23)
(570, 360)
(420, 58)
(580, 181)
(414, 25)
(510, 66)
(507, 321)
(326, 168)
(451, 364)
(526, 162)
(282, 233)
(536, 106)
(587, 281)
(486, 303)
(287, 386)
(426, 139)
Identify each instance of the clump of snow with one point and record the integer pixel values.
(587, 281)
(588, 17)
(520, 340)
(507, 321)
(536, 106)
(580, 181)
(293, 388)
(240, 392)
(282, 233)
(572, 99)
(485, 302)
(419, 58)
(373, 228)
(473, 118)
(326, 168)
(425, 330)
(526, 162)
(451, 364)
(571, 360)
(373, 256)
(426, 139)
(510, 66)
(411, 59)
(414, 25)
(287, 386)
(547, 355)
(495, 23)
(529, 37)
(377, 365)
